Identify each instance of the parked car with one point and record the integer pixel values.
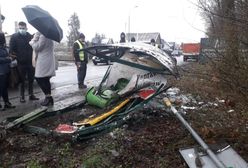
(176, 53)
(97, 60)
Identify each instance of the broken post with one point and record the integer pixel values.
(211, 154)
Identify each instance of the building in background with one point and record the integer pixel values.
(145, 37)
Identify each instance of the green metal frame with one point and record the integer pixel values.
(116, 120)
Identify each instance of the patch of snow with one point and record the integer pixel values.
(114, 153)
(188, 108)
(173, 91)
(220, 101)
(230, 111)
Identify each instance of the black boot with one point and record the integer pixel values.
(33, 97)
(48, 101)
(8, 105)
(22, 99)
(51, 100)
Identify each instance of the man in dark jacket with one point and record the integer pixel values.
(123, 37)
(81, 60)
(22, 51)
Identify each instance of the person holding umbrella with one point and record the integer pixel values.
(44, 65)
(42, 43)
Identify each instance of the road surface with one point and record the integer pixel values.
(67, 75)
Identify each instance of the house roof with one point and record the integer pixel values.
(144, 37)
(166, 45)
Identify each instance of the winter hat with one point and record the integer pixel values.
(123, 35)
(81, 35)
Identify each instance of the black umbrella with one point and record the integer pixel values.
(43, 22)
(2, 17)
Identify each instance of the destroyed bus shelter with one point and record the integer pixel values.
(138, 74)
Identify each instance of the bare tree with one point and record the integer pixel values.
(74, 26)
(227, 23)
(97, 39)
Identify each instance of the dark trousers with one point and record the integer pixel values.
(4, 87)
(26, 70)
(44, 84)
(82, 73)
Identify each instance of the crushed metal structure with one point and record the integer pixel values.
(138, 64)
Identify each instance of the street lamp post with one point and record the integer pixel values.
(129, 21)
(129, 26)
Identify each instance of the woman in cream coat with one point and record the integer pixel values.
(44, 64)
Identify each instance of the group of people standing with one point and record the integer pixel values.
(35, 60)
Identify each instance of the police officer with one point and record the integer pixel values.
(81, 60)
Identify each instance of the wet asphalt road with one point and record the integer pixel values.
(66, 76)
(64, 86)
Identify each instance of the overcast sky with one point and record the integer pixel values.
(175, 20)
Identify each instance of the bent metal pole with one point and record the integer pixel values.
(211, 154)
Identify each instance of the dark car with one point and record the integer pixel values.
(97, 60)
(176, 53)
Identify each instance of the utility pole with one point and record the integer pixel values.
(129, 18)
(129, 26)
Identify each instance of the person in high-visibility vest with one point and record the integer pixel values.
(81, 60)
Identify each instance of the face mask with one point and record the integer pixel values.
(22, 31)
